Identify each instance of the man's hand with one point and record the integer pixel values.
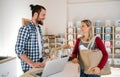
(37, 65)
(31, 63)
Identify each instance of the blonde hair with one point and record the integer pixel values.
(89, 24)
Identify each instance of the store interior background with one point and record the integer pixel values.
(59, 12)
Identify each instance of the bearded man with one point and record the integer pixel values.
(29, 46)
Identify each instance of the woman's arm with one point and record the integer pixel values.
(76, 50)
(101, 46)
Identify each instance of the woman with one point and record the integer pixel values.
(82, 43)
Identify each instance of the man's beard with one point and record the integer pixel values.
(39, 22)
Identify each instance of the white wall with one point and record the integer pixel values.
(56, 16)
(0, 29)
(11, 14)
(89, 1)
(103, 10)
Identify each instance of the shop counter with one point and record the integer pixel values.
(70, 70)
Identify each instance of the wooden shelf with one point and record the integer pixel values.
(117, 32)
(108, 33)
(108, 26)
(98, 33)
(117, 47)
(117, 55)
(110, 55)
(117, 39)
(98, 26)
(115, 66)
(107, 40)
(71, 33)
(52, 41)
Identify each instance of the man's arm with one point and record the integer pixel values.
(26, 59)
(30, 62)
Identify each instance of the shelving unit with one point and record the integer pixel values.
(49, 41)
(60, 41)
(106, 32)
(117, 44)
(78, 31)
(109, 42)
(98, 31)
(52, 41)
(70, 34)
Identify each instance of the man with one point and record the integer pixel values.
(29, 45)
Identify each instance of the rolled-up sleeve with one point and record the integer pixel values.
(22, 38)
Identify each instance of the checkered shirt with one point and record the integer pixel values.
(27, 43)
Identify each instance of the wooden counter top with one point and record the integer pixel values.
(6, 59)
(70, 70)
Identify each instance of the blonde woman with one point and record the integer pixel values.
(82, 43)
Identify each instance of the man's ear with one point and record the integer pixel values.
(35, 14)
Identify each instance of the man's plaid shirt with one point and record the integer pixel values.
(27, 43)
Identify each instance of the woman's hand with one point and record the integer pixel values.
(75, 60)
(96, 70)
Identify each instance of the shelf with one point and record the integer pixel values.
(98, 33)
(107, 26)
(71, 33)
(117, 47)
(70, 27)
(49, 36)
(117, 55)
(110, 47)
(59, 38)
(117, 32)
(107, 40)
(116, 66)
(117, 39)
(108, 33)
(71, 40)
(98, 26)
(116, 26)
(110, 55)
